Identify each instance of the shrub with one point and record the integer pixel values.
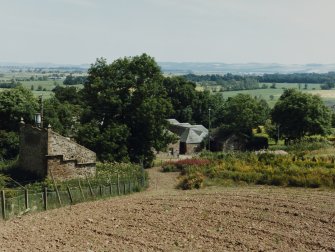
(258, 143)
(169, 168)
(191, 181)
(309, 144)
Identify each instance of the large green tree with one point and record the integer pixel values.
(63, 116)
(127, 99)
(183, 97)
(241, 113)
(299, 114)
(14, 104)
(190, 105)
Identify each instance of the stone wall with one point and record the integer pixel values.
(59, 145)
(33, 150)
(44, 152)
(68, 169)
(192, 148)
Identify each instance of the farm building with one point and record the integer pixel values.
(44, 153)
(189, 137)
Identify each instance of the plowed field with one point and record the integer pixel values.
(165, 219)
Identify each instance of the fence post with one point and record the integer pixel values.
(124, 186)
(55, 185)
(118, 184)
(26, 198)
(143, 177)
(129, 184)
(89, 185)
(45, 198)
(110, 188)
(70, 194)
(100, 189)
(81, 190)
(3, 204)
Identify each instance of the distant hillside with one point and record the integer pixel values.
(249, 68)
(192, 67)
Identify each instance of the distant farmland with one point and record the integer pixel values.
(271, 95)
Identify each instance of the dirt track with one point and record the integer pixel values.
(165, 219)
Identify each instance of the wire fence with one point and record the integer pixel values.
(19, 202)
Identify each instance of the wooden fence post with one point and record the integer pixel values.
(45, 198)
(70, 194)
(3, 204)
(124, 187)
(118, 184)
(81, 190)
(143, 176)
(26, 198)
(57, 192)
(100, 190)
(110, 188)
(89, 185)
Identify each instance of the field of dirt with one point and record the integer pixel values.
(165, 219)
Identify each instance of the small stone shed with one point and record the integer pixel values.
(44, 152)
(190, 136)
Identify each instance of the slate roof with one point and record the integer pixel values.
(191, 134)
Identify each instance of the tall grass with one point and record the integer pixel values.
(265, 169)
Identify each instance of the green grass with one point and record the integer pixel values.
(328, 96)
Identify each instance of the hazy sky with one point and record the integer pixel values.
(231, 31)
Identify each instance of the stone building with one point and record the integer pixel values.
(189, 137)
(43, 153)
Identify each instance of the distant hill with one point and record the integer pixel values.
(248, 68)
(196, 68)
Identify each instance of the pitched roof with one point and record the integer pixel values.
(188, 133)
(172, 121)
(190, 136)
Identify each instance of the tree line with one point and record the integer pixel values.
(230, 82)
(121, 111)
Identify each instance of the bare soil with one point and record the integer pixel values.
(165, 219)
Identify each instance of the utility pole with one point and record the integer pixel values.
(209, 129)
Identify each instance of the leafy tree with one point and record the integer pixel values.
(189, 104)
(74, 80)
(205, 101)
(273, 85)
(68, 94)
(272, 130)
(300, 114)
(14, 104)
(183, 97)
(128, 95)
(109, 144)
(9, 144)
(62, 116)
(241, 113)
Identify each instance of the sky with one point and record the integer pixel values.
(229, 31)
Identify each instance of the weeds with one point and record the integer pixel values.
(264, 169)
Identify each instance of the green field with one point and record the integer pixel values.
(40, 87)
(328, 96)
(47, 86)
